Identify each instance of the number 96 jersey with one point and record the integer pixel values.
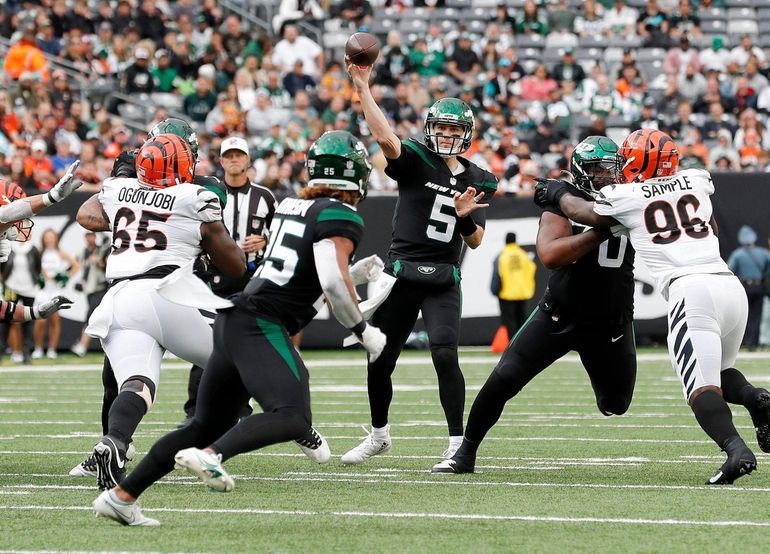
(668, 222)
(154, 227)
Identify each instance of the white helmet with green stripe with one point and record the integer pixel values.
(450, 111)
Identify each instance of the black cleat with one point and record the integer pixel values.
(110, 455)
(457, 464)
(740, 461)
(760, 416)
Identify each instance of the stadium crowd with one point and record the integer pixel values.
(537, 75)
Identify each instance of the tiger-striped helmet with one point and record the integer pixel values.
(165, 161)
(648, 153)
(10, 192)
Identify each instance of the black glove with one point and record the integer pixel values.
(47, 309)
(125, 165)
(548, 192)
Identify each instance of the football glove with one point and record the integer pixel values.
(373, 340)
(47, 309)
(125, 165)
(366, 270)
(548, 192)
(66, 185)
(5, 250)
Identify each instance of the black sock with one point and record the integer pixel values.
(126, 412)
(467, 449)
(488, 407)
(736, 389)
(259, 430)
(451, 388)
(714, 417)
(110, 386)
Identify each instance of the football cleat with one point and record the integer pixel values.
(740, 461)
(206, 467)
(110, 455)
(760, 415)
(458, 464)
(314, 446)
(128, 513)
(369, 447)
(86, 468)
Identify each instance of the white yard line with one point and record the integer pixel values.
(425, 515)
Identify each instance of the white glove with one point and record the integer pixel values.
(366, 270)
(47, 309)
(5, 250)
(373, 340)
(619, 230)
(66, 185)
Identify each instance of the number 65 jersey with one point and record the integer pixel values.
(668, 222)
(152, 228)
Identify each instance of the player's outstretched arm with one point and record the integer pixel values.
(582, 211)
(556, 245)
(375, 119)
(25, 208)
(331, 257)
(225, 254)
(17, 313)
(91, 215)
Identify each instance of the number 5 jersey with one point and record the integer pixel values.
(668, 223)
(154, 228)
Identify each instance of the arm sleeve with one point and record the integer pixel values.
(614, 201)
(343, 306)
(205, 206)
(488, 185)
(339, 221)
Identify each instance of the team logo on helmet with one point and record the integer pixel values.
(10, 192)
(648, 153)
(165, 161)
(450, 111)
(338, 160)
(178, 127)
(595, 163)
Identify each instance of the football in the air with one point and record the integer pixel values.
(362, 49)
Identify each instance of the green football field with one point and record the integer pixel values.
(553, 475)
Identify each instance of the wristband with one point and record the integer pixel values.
(358, 328)
(48, 199)
(29, 313)
(466, 225)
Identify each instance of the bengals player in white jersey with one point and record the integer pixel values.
(160, 222)
(669, 218)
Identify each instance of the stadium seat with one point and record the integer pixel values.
(380, 27)
(623, 42)
(650, 54)
(764, 27)
(739, 3)
(582, 121)
(447, 25)
(529, 41)
(529, 65)
(592, 41)
(419, 13)
(652, 68)
(714, 26)
(551, 56)
(740, 13)
(476, 26)
(469, 14)
(616, 120)
(589, 54)
(710, 14)
(412, 26)
(444, 14)
(529, 53)
(458, 3)
(618, 134)
(764, 41)
(613, 55)
(515, 3)
(763, 14)
(742, 27)
(759, 4)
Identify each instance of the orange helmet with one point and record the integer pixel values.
(164, 161)
(648, 153)
(10, 192)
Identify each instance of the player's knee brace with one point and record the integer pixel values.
(142, 387)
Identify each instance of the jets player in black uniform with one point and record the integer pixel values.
(313, 238)
(587, 307)
(440, 194)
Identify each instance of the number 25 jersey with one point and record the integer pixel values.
(668, 223)
(154, 227)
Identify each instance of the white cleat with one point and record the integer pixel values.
(206, 467)
(127, 513)
(86, 468)
(368, 448)
(315, 447)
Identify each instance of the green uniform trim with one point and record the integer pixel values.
(412, 146)
(336, 214)
(396, 268)
(537, 309)
(274, 335)
(488, 185)
(222, 195)
(456, 273)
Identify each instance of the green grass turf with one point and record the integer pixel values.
(553, 476)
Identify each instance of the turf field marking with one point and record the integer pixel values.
(424, 515)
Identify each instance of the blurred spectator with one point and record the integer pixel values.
(92, 282)
(716, 122)
(523, 183)
(603, 101)
(712, 95)
(513, 282)
(394, 61)
(741, 53)
(538, 85)
(502, 16)
(754, 78)
(682, 122)
(336, 81)
(647, 119)
(38, 166)
(358, 12)
(693, 153)
(750, 149)
(692, 84)
(20, 284)
(24, 56)
(163, 74)
(463, 60)
(531, 21)
(683, 55)
(751, 264)
(723, 156)
(235, 39)
(149, 20)
(684, 22)
(198, 104)
(293, 47)
(561, 17)
(652, 26)
(590, 22)
(745, 94)
(297, 79)
(716, 57)
(296, 10)
(63, 157)
(264, 115)
(427, 63)
(747, 122)
(124, 16)
(568, 69)
(620, 20)
(137, 78)
(47, 40)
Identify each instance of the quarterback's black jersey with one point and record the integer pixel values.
(286, 285)
(424, 224)
(600, 285)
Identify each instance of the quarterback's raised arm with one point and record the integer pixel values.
(378, 123)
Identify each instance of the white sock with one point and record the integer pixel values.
(455, 441)
(114, 498)
(381, 433)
